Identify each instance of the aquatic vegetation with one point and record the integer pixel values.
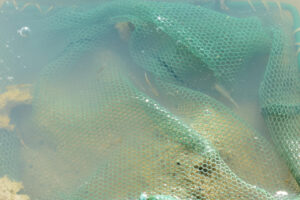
(9, 190)
(226, 94)
(116, 115)
(265, 4)
(37, 6)
(153, 90)
(222, 4)
(15, 95)
(251, 4)
(21, 7)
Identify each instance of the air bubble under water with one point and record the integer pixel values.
(24, 31)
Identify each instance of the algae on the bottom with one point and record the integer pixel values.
(13, 96)
(9, 190)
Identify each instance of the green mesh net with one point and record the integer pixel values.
(145, 100)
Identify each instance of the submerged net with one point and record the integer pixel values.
(137, 102)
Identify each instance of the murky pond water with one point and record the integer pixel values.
(149, 99)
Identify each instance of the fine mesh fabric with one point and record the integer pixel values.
(137, 102)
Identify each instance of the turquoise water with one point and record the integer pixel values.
(127, 102)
